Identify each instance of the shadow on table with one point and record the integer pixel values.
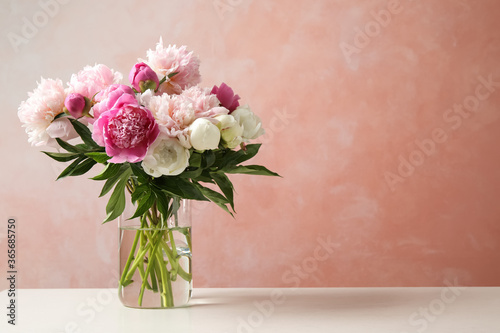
(321, 299)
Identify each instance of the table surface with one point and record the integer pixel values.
(246, 310)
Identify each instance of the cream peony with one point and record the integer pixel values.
(204, 134)
(251, 123)
(165, 156)
(230, 131)
(40, 109)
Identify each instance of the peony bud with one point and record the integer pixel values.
(77, 105)
(230, 131)
(203, 134)
(226, 97)
(142, 77)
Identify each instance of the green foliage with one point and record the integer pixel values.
(116, 203)
(158, 198)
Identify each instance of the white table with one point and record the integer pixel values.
(352, 310)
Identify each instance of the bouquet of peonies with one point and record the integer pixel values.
(161, 139)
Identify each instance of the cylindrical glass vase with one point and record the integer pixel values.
(155, 257)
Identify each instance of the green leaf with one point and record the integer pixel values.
(139, 191)
(195, 160)
(225, 185)
(215, 197)
(98, 157)
(208, 158)
(162, 203)
(205, 177)
(61, 115)
(84, 148)
(144, 204)
(172, 74)
(124, 170)
(116, 203)
(84, 132)
(232, 157)
(251, 170)
(66, 172)
(141, 175)
(80, 166)
(179, 187)
(66, 146)
(110, 170)
(83, 167)
(61, 157)
(194, 173)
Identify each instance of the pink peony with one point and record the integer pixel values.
(142, 77)
(172, 59)
(205, 104)
(226, 97)
(40, 109)
(175, 113)
(108, 98)
(126, 132)
(90, 80)
(172, 114)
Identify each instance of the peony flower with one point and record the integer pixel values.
(172, 113)
(170, 60)
(251, 123)
(107, 99)
(203, 134)
(90, 80)
(40, 109)
(204, 103)
(61, 128)
(165, 156)
(175, 113)
(230, 131)
(226, 97)
(142, 77)
(126, 132)
(76, 105)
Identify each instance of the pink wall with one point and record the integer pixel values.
(381, 158)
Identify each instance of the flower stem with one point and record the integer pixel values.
(149, 266)
(130, 257)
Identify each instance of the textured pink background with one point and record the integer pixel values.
(339, 125)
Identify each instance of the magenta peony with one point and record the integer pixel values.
(108, 98)
(226, 97)
(126, 132)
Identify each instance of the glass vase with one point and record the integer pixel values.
(155, 257)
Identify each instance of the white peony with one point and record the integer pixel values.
(230, 131)
(61, 128)
(203, 134)
(165, 156)
(251, 123)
